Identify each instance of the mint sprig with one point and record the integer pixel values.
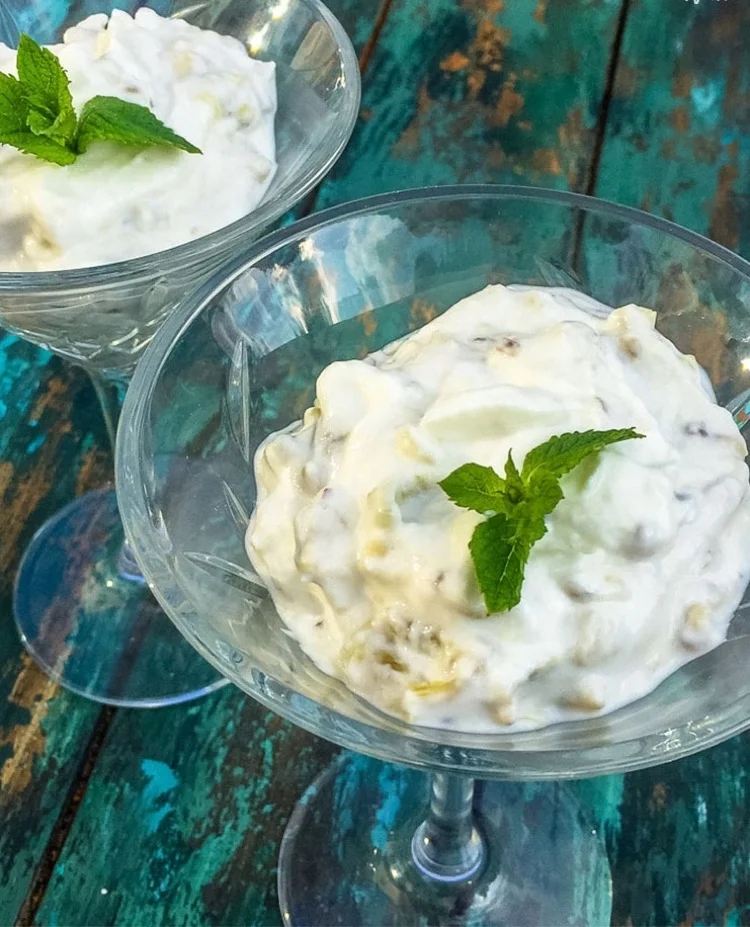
(127, 123)
(37, 114)
(517, 506)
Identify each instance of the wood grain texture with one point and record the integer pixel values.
(677, 140)
(681, 853)
(53, 446)
(186, 810)
(48, 452)
(479, 90)
(677, 143)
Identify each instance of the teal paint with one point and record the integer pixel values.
(389, 782)
(161, 781)
(344, 798)
(29, 492)
(19, 381)
(707, 101)
(33, 446)
(483, 92)
(603, 797)
(677, 140)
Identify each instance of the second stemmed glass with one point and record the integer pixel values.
(81, 606)
(372, 844)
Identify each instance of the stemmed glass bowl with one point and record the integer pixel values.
(81, 606)
(373, 844)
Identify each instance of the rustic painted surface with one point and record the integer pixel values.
(677, 143)
(48, 453)
(480, 90)
(186, 808)
(677, 139)
(181, 816)
(53, 446)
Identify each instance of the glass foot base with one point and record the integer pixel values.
(346, 855)
(87, 617)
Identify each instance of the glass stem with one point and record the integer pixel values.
(110, 391)
(447, 846)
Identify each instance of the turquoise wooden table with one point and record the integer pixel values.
(174, 816)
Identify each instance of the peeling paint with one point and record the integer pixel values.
(466, 85)
(160, 782)
(509, 104)
(725, 218)
(680, 119)
(670, 140)
(31, 691)
(456, 61)
(541, 10)
(547, 160)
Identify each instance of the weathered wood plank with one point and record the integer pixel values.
(682, 855)
(677, 143)
(678, 137)
(186, 806)
(48, 452)
(479, 90)
(52, 446)
(186, 812)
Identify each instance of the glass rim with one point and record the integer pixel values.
(194, 303)
(467, 753)
(47, 281)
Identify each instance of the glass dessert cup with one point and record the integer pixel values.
(81, 606)
(372, 844)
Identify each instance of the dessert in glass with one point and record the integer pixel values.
(313, 341)
(95, 255)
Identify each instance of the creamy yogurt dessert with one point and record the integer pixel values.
(644, 560)
(117, 202)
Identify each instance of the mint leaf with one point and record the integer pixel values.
(475, 487)
(45, 148)
(543, 494)
(47, 90)
(543, 491)
(562, 453)
(58, 129)
(39, 123)
(499, 556)
(514, 485)
(14, 131)
(14, 109)
(25, 128)
(110, 119)
(500, 546)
